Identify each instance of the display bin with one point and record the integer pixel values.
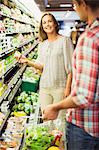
(43, 136)
(29, 86)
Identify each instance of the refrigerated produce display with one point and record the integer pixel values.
(17, 105)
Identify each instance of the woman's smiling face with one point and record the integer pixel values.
(48, 24)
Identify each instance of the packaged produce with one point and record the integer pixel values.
(5, 10)
(38, 138)
(42, 136)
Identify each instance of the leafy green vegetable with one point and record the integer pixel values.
(38, 138)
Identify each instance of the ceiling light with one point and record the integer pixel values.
(65, 5)
(48, 5)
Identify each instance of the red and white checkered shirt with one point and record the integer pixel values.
(85, 85)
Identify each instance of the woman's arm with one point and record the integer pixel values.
(68, 85)
(35, 65)
(23, 59)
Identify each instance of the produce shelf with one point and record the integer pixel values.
(2, 54)
(5, 120)
(19, 20)
(15, 63)
(27, 52)
(13, 92)
(12, 83)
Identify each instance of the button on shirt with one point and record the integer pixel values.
(85, 85)
(56, 58)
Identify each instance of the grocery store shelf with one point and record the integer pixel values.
(9, 32)
(24, 43)
(28, 51)
(36, 114)
(19, 20)
(12, 84)
(7, 115)
(9, 69)
(2, 54)
(14, 91)
(18, 33)
(21, 142)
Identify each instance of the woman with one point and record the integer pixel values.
(54, 60)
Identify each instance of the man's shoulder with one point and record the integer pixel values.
(93, 33)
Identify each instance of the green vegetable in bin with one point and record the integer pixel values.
(24, 95)
(28, 100)
(36, 94)
(36, 77)
(27, 108)
(15, 108)
(21, 106)
(35, 56)
(34, 98)
(37, 147)
(32, 93)
(19, 99)
(38, 138)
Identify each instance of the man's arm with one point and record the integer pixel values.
(51, 111)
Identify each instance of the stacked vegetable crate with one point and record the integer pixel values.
(30, 80)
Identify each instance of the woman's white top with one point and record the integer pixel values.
(56, 58)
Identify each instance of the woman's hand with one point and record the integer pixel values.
(20, 58)
(23, 59)
(17, 55)
(50, 113)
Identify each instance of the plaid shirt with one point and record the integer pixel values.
(85, 85)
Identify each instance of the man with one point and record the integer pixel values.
(83, 120)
